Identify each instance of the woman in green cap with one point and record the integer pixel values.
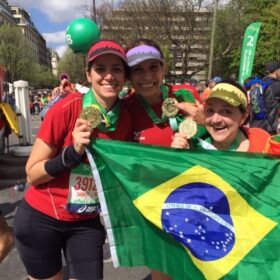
(226, 112)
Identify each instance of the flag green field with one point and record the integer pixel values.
(191, 214)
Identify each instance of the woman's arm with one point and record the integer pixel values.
(35, 167)
(42, 165)
(196, 111)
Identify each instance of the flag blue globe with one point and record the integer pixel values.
(198, 216)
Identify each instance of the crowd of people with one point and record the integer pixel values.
(49, 212)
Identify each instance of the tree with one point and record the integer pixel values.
(180, 26)
(268, 43)
(233, 18)
(273, 14)
(174, 24)
(229, 31)
(13, 52)
(74, 65)
(38, 76)
(16, 60)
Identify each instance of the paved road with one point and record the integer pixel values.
(12, 267)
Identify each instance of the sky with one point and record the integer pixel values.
(51, 18)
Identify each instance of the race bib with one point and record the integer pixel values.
(82, 196)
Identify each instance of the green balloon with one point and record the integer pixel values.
(81, 33)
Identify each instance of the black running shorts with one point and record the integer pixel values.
(40, 239)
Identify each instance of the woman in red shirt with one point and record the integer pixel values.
(60, 210)
(150, 124)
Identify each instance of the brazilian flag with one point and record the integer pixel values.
(190, 214)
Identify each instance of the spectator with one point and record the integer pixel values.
(58, 93)
(36, 106)
(271, 96)
(208, 89)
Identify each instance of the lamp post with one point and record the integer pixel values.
(94, 10)
(212, 40)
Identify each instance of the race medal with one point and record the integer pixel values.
(188, 127)
(91, 114)
(168, 107)
(82, 196)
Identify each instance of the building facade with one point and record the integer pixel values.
(183, 35)
(35, 41)
(37, 49)
(5, 13)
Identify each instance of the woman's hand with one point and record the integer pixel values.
(180, 141)
(194, 110)
(81, 135)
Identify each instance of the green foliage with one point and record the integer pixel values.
(12, 51)
(230, 27)
(74, 65)
(39, 76)
(16, 60)
(233, 18)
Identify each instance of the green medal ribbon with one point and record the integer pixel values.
(110, 117)
(182, 95)
(173, 122)
(153, 116)
(234, 145)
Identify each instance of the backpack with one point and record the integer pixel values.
(257, 102)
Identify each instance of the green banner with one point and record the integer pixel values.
(248, 50)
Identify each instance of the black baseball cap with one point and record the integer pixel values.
(272, 66)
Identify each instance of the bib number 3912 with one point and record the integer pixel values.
(82, 197)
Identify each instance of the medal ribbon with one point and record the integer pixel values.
(153, 116)
(180, 94)
(110, 118)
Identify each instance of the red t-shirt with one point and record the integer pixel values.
(56, 129)
(257, 139)
(145, 131)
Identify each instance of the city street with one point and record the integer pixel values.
(12, 267)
